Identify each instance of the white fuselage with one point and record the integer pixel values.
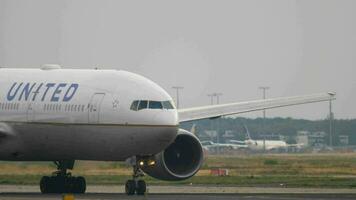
(61, 114)
(266, 144)
(210, 145)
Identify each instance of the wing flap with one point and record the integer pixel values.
(214, 111)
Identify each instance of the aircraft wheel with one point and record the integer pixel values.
(80, 185)
(59, 182)
(70, 185)
(130, 187)
(52, 185)
(44, 184)
(141, 187)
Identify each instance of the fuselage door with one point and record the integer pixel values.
(94, 108)
(31, 109)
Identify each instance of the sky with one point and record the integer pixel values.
(227, 46)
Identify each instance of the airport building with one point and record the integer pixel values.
(344, 140)
(314, 139)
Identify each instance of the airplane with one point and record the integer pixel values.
(212, 146)
(209, 145)
(259, 145)
(63, 115)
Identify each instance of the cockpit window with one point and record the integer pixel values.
(155, 105)
(142, 105)
(167, 105)
(134, 105)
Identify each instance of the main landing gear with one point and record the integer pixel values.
(61, 181)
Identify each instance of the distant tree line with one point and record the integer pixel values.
(287, 127)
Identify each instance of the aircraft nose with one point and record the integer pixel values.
(167, 118)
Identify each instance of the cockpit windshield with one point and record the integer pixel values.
(155, 105)
(167, 105)
(146, 104)
(142, 105)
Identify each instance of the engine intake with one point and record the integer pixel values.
(179, 161)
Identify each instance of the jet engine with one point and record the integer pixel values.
(180, 160)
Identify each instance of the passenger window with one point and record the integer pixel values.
(143, 105)
(134, 105)
(155, 105)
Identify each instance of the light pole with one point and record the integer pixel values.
(264, 88)
(177, 88)
(215, 94)
(218, 97)
(211, 98)
(331, 116)
(218, 126)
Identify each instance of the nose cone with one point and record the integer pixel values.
(166, 118)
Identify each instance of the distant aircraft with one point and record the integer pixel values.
(259, 145)
(212, 146)
(63, 115)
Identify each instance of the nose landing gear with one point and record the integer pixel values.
(62, 181)
(135, 185)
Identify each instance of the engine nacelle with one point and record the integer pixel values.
(180, 160)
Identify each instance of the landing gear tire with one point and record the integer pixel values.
(58, 184)
(141, 187)
(80, 185)
(44, 184)
(130, 187)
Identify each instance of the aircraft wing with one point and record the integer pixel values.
(215, 111)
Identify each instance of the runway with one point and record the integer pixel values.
(13, 192)
(107, 196)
